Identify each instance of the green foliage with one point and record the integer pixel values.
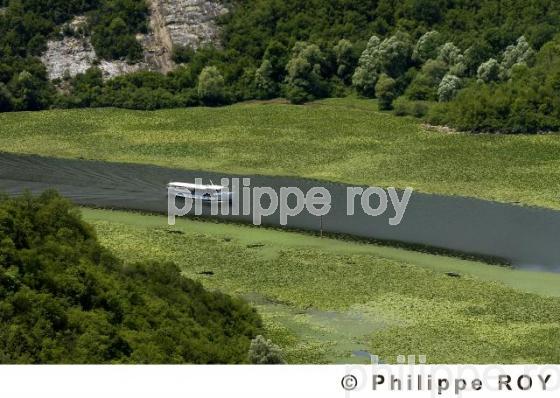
(448, 88)
(256, 41)
(525, 102)
(427, 47)
(114, 42)
(6, 100)
(29, 92)
(395, 54)
(385, 90)
(488, 71)
(391, 56)
(264, 81)
(450, 54)
(114, 24)
(211, 86)
(66, 299)
(345, 60)
(182, 55)
(520, 53)
(304, 79)
(475, 55)
(265, 352)
(402, 106)
(425, 84)
(366, 74)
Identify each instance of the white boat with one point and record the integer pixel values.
(205, 193)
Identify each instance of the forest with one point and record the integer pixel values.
(475, 65)
(64, 299)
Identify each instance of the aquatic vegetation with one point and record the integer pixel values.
(323, 299)
(339, 140)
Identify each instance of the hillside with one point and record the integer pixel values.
(66, 299)
(428, 58)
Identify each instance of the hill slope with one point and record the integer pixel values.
(456, 52)
(65, 299)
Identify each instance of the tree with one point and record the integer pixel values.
(391, 56)
(29, 92)
(395, 54)
(476, 54)
(345, 60)
(277, 54)
(427, 47)
(264, 83)
(264, 352)
(304, 80)
(6, 99)
(211, 86)
(448, 87)
(488, 71)
(427, 11)
(520, 53)
(425, 84)
(37, 44)
(455, 61)
(366, 74)
(64, 299)
(114, 33)
(386, 92)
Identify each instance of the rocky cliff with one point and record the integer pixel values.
(183, 23)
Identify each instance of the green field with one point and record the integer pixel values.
(322, 299)
(338, 139)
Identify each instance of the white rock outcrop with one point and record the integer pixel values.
(183, 23)
(73, 55)
(68, 57)
(191, 23)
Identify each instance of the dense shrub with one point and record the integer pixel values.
(6, 100)
(264, 352)
(304, 80)
(427, 47)
(528, 101)
(266, 86)
(425, 84)
(211, 86)
(391, 56)
(448, 88)
(405, 107)
(386, 91)
(345, 60)
(65, 299)
(114, 24)
(489, 71)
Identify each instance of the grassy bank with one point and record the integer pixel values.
(338, 139)
(321, 299)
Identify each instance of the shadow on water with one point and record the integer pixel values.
(525, 237)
